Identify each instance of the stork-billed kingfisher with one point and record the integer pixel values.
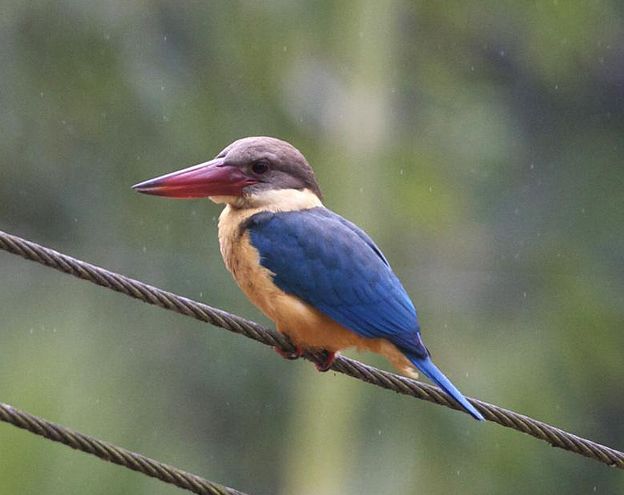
(319, 277)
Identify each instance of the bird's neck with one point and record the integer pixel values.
(272, 200)
(238, 210)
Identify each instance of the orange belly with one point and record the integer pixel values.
(309, 328)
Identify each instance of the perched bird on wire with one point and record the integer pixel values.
(319, 277)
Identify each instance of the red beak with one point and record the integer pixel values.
(212, 178)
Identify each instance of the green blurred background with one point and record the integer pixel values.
(479, 143)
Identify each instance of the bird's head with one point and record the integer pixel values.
(249, 172)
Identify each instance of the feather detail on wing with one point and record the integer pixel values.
(334, 266)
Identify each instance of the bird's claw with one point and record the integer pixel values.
(290, 355)
(326, 363)
(322, 365)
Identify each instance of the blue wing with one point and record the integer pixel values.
(334, 266)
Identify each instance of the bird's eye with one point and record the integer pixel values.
(260, 167)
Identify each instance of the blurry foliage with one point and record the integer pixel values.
(480, 143)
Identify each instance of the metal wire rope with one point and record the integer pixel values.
(112, 453)
(167, 300)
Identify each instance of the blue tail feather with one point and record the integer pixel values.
(435, 375)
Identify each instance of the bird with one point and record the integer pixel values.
(320, 278)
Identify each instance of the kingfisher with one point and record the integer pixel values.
(320, 278)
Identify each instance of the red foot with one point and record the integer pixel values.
(328, 360)
(296, 354)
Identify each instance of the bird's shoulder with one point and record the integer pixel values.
(318, 229)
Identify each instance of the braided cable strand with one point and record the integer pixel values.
(147, 293)
(111, 453)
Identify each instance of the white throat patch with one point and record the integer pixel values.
(273, 200)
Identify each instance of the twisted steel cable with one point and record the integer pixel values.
(112, 453)
(147, 293)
